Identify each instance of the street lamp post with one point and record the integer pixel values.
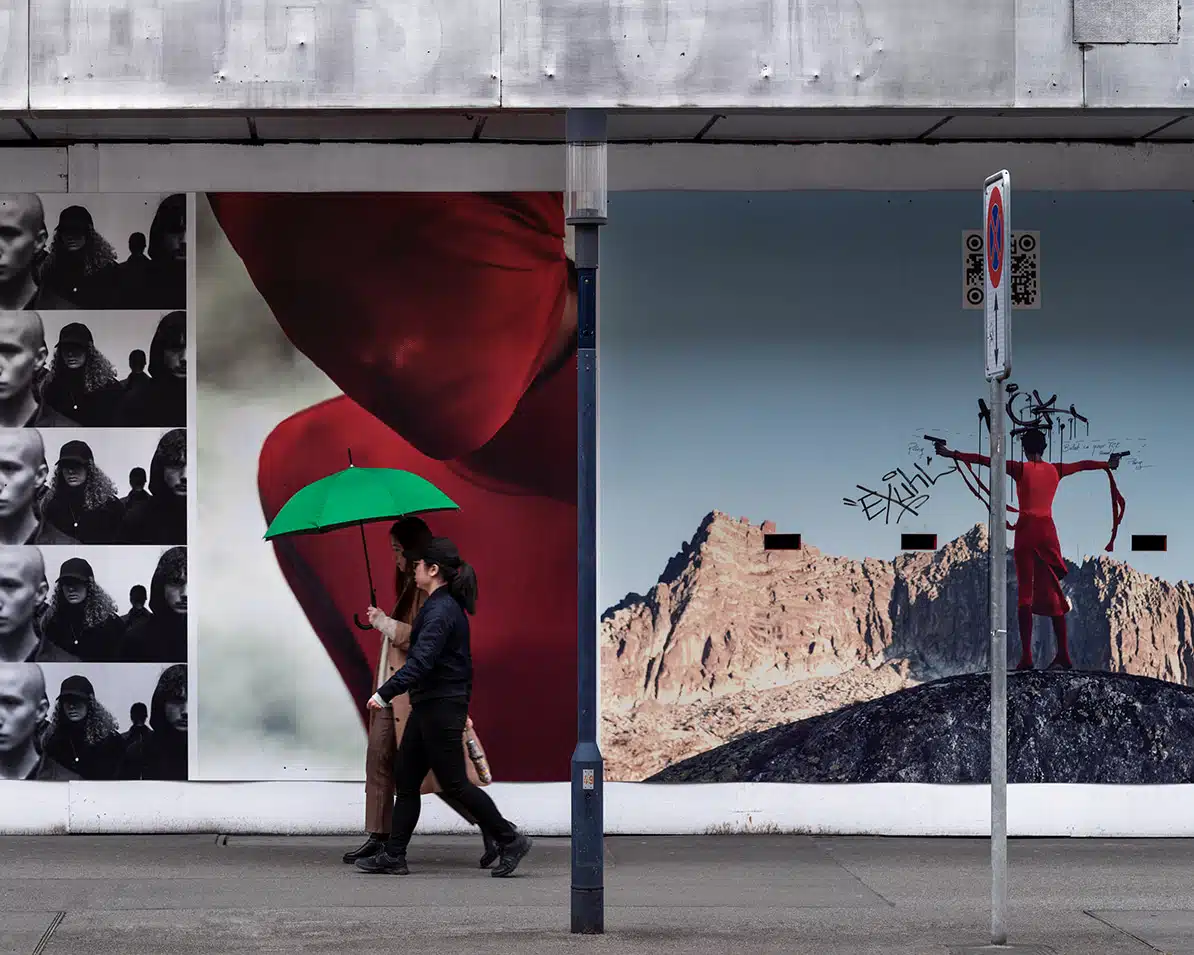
(585, 200)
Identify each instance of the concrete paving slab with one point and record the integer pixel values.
(493, 931)
(665, 896)
(20, 932)
(1171, 932)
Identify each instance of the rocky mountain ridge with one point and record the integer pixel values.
(734, 637)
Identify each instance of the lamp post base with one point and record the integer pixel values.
(588, 911)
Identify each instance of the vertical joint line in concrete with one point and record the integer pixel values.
(1084, 48)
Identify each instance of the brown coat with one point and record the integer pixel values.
(393, 658)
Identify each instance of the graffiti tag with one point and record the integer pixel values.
(905, 493)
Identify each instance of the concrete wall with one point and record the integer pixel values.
(407, 54)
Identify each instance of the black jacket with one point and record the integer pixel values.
(98, 525)
(440, 661)
(97, 643)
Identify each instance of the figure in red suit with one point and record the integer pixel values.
(449, 322)
(1040, 567)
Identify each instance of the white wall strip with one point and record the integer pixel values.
(310, 808)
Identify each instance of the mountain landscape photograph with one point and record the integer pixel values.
(769, 366)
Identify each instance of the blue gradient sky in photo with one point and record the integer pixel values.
(762, 354)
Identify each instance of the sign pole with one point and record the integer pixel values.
(997, 304)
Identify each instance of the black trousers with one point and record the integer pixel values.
(431, 742)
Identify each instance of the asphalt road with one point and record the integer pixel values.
(186, 895)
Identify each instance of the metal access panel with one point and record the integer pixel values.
(1126, 21)
(263, 54)
(14, 54)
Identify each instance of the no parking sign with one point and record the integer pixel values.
(997, 303)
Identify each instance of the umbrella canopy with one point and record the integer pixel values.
(357, 496)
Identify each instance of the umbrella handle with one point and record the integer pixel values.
(356, 618)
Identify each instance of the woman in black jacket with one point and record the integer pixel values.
(438, 675)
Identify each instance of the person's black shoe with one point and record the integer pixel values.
(512, 854)
(492, 852)
(370, 847)
(383, 864)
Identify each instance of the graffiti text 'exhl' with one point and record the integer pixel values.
(904, 494)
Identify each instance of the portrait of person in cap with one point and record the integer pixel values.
(23, 710)
(23, 480)
(23, 240)
(78, 259)
(161, 635)
(83, 736)
(163, 754)
(163, 518)
(82, 617)
(24, 360)
(82, 383)
(24, 591)
(160, 399)
(82, 500)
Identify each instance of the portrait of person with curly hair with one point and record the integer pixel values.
(82, 618)
(79, 259)
(82, 734)
(81, 384)
(82, 501)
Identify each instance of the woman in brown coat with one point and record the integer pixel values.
(386, 727)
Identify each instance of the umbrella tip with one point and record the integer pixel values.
(350, 464)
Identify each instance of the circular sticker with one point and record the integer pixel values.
(995, 226)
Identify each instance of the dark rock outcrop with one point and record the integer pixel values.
(1063, 727)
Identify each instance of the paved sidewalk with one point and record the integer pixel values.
(185, 895)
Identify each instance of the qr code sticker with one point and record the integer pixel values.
(1025, 271)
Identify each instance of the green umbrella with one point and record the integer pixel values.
(357, 496)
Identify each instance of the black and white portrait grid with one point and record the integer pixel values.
(105, 721)
(95, 405)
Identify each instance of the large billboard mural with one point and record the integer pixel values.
(427, 332)
(809, 364)
(793, 488)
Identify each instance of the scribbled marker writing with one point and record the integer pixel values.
(905, 494)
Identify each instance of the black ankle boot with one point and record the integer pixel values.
(492, 852)
(512, 855)
(384, 864)
(369, 847)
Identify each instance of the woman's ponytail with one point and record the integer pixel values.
(463, 586)
(459, 576)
